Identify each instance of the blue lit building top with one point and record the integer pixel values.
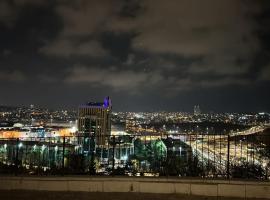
(105, 104)
(95, 104)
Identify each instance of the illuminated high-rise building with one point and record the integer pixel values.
(94, 123)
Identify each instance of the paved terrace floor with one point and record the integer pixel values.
(49, 195)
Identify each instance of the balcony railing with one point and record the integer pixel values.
(181, 155)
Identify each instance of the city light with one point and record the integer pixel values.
(73, 129)
(139, 141)
(124, 157)
(43, 147)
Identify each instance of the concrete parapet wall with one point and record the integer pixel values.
(219, 188)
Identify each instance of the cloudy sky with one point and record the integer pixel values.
(145, 54)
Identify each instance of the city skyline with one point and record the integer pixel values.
(146, 55)
(137, 99)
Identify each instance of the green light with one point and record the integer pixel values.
(20, 145)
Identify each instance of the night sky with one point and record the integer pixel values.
(145, 54)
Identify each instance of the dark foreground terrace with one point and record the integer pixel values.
(44, 195)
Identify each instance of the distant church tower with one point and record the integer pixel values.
(197, 110)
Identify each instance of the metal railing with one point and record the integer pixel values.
(185, 155)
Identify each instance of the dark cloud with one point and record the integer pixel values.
(137, 49)
(67, 48)
(264, 74)
(12, 76)
(128, 81)
(7, 13)
(10, 9)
